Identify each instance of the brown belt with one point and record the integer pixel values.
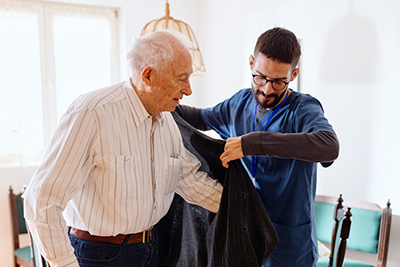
(143, 237)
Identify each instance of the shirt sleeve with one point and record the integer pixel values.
(309, 136)
(62, 173)
(193, 116)
(320, 146)
(223, 117)
(197, 187)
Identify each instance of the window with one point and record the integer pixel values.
(49, 54)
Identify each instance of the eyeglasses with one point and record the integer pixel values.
(276, 84)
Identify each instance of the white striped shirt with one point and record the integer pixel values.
(111, 169)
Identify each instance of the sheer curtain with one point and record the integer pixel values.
(49, 54)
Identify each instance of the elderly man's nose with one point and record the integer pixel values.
(187, 90)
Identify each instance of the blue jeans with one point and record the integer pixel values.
(93, 254)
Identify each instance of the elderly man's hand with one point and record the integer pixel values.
(233, 150)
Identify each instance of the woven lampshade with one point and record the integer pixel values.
(167, 22)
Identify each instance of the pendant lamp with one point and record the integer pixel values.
(167, 22)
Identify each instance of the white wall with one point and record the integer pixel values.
(349, 62)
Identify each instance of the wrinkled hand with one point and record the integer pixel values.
(232, 150)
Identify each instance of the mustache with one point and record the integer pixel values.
(263, 94)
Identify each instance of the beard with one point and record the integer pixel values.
(265, 103)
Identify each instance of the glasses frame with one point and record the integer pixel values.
(271, 81)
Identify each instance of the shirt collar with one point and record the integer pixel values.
(139, 113)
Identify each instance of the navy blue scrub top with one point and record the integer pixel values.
(286, 186)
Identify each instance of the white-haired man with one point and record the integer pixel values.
(114, 164)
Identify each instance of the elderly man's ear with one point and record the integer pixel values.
(147, 73)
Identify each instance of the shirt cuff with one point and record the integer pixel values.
(69, 261)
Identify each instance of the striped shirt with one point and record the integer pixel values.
(111, 169)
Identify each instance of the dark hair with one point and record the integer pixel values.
(279, 44)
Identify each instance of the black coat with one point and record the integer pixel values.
(240, 234)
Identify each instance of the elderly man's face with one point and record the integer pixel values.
(169, 87)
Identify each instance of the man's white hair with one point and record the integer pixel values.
(157, 50)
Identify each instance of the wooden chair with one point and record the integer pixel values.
(342, 234)
(370, 232)
(22, 255)
(334, 232)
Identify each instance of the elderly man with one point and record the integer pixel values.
(114, 164)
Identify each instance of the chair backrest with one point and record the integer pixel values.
(22, 255)
(371, 229)
(327, 210)
(17, 217)
(342, 234)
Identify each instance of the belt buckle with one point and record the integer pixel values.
(147, 235)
